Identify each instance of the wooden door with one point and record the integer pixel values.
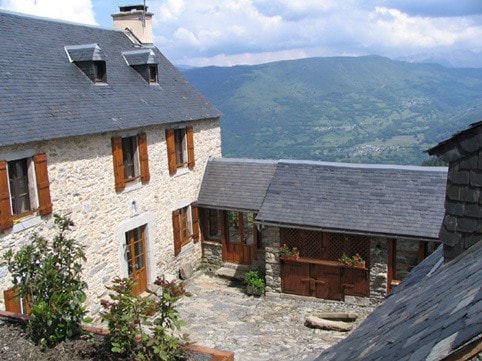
(327, 282)
(355, 282)
(136, 258)
(295, 277)
(240, 239)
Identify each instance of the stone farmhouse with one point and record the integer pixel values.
(435, 313)
(97, 124)
(389, 215)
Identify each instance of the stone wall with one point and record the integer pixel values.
(378, 268)
(82, 186)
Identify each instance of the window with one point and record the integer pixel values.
(212, 224)
(180, 149)
(153, 74)
(403, 255)
(100, 72)
(241, 227)
(24, 189)
(186, 226)
(130, 160)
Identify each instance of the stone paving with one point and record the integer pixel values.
(221, 315)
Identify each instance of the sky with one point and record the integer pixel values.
(232, 32)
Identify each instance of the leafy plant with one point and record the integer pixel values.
(285, 250)
(350, 261)
(133, 333)
(255, 279)
(48, 275)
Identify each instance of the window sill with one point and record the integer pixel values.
(132, 186)
(26, 222)
(182, 171)
(187, 248)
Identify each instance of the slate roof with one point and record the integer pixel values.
(371, 199)
(44, 96)
(448, 149)
(235, 184)
(427, 317)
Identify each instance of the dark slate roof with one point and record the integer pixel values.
(237, 184)
(371, 199)
(460, 144)
(428, 316)
(43, 95)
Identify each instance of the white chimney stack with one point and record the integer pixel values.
(137, 20)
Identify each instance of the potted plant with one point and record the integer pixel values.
(289, 253)
(255, 282)
(354, 261)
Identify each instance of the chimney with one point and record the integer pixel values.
(137, 20)
(462, 224)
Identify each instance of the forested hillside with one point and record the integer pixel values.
(364, 109)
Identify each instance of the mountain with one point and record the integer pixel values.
(348, 109)
(453, 59)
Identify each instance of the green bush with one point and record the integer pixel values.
(145, 328)
(255, 279)
(48, 274)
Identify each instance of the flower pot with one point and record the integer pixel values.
(251, 290)
(361, 264)
(290, 256)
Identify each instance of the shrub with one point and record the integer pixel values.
(133, 333)
(48, 274)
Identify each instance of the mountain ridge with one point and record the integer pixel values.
(366, 109)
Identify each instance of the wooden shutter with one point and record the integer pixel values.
(6, 220)
(144, 159)
(118, 163)
(43, 184)
(176, 225)
(12, 302)
(195, 222)
(190, 147)
(171, 151)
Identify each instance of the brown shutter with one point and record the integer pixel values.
(195, 222)
(190, 147)
(43, 184)
(12, 302)
(144, 159)
(6, 220)
(176, 225)
(171, 151)
(118, 163)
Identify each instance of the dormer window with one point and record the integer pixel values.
(90, 59)
(153, 74)
(100, 72)
(144, 62)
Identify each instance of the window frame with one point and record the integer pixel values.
(140, 160)
(100, 71)
(183, 147)
(153, 74)
(212, 218)
(185, 220)
(40, 203)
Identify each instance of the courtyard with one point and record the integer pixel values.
(221, 315)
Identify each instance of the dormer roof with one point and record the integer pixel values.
(86, 52)
(139, 57)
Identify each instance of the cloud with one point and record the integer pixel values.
(230, 30)
(71, 10)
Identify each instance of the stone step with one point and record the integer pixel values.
(231, 272)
